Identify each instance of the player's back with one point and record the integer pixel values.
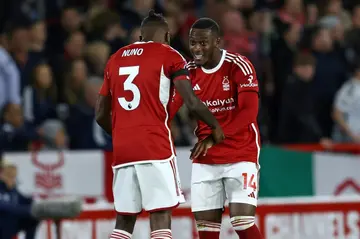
(140, 88)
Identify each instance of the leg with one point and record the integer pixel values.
(29, 226)
(207, 200)
(160, 194)
(242, 194)
(127, 201)
(243, 220)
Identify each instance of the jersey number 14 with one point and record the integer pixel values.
(131, 72)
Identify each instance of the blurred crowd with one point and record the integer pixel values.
(53, 53)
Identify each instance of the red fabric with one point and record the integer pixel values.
(108, 176)
(209, 235)
(250, 233)
(140, 123)
(231, 94)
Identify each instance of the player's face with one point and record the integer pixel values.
(202, 43)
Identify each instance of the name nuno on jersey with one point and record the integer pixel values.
(132, 52)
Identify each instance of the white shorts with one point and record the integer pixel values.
(212, 184)
(149, 186)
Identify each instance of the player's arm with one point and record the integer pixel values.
(248, 89)
(180, 76)
(193, 103)
(175, 104)
(103, 105)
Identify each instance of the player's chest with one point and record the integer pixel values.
(218, 85)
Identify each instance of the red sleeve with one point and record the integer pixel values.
(244, 74)
(175, 104)
(105, 88)
(175, 66)
(249, 106)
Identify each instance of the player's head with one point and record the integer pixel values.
(155, 28)
(204, 39)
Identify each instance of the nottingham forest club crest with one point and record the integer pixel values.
(226, 83)
(47, 176)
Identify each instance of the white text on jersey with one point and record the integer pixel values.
(133, 52)
(218, 102)
(250, 84)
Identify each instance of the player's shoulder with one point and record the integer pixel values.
(240, 62)
(235, 58)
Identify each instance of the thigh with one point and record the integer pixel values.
(241, 183)
(126, 191)
(207, 188)
(158, 185)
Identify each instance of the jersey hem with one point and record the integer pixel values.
(219, 163)
(143, 161)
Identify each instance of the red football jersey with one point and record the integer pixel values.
(221, 89)
(139, 79)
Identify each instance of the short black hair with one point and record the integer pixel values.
(154, 19)
(207, 23)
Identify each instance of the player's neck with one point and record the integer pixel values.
(215, 59)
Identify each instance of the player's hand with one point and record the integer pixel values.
(218, 135)
(202, 147)
(355, 138)
(326, 143)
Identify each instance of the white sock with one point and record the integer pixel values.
(161, 234)
(120, 234)
(241, 223)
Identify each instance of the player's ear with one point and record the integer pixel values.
(167, 38)
(217, 41)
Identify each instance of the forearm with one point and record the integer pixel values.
(106, 125)
(201, 112)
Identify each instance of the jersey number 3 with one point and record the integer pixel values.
(131, 72)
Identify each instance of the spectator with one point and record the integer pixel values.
(135, 10)
(84, 132)
(292, 12)
(40, 109)
(76, 37)
(346, 112)
(105, 26)
(298, 122)
(9, 80)
(74, 81)
(97, 54)
(334, 8)
(74, 50)
(352, 39)
(15, 208)
(38, 36)
(330, 72)
(70, 22)
(15, 135)
(236, 37)
(40, 96)
(18, 42)
(282, 57)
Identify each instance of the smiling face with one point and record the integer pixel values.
(202, 43)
